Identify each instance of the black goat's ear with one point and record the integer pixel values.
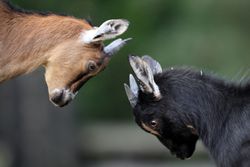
(154, 65)
(145, 76)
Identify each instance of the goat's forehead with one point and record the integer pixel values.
(84, 53)
(145, 113)
(93, 50)
(95, 46)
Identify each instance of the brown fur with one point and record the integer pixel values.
(27, 39)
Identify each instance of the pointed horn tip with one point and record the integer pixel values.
(127, 88)
(131, 79)
(127, 39)
(125, 85)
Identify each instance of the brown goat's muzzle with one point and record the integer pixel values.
(61, 97)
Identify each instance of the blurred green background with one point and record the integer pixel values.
(208, 34)
(212, 35)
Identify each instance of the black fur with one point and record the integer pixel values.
(196, 105)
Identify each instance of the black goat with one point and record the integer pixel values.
(179, 106)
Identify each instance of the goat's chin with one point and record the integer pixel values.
(61, 97)
(181, 151)
(61, 104)
(182, 156)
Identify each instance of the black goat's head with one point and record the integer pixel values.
(154, 109)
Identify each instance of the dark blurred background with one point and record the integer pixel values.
(97, 129)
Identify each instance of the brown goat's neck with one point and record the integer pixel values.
(27, 38)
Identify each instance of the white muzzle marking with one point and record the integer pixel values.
(61, 97)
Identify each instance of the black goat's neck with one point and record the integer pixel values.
(218, 104)
(215, 108)
(223, 117)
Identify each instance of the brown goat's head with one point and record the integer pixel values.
(74, 62)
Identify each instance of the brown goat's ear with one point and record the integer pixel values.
(108, 30)
(145, 76)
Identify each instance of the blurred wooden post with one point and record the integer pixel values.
(38, 134)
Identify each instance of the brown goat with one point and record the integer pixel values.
(70, 49)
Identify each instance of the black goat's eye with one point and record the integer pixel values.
(154, 123)
(92, 66)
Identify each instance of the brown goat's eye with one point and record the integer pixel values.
(153, 123)
(92, 66)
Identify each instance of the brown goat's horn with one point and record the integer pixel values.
(115, 46)
(145, 76)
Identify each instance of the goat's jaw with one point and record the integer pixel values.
(61, 97)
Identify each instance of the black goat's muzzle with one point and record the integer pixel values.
(182, 151)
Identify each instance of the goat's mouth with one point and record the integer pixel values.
(181, 155)
(181, 151)
(61, 97)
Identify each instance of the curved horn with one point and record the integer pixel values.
(133, 85)
(145, 76)
(115, 46)
(132, 91)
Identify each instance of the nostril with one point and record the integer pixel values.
(57, 96)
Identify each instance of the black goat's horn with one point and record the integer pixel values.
(132, 91)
